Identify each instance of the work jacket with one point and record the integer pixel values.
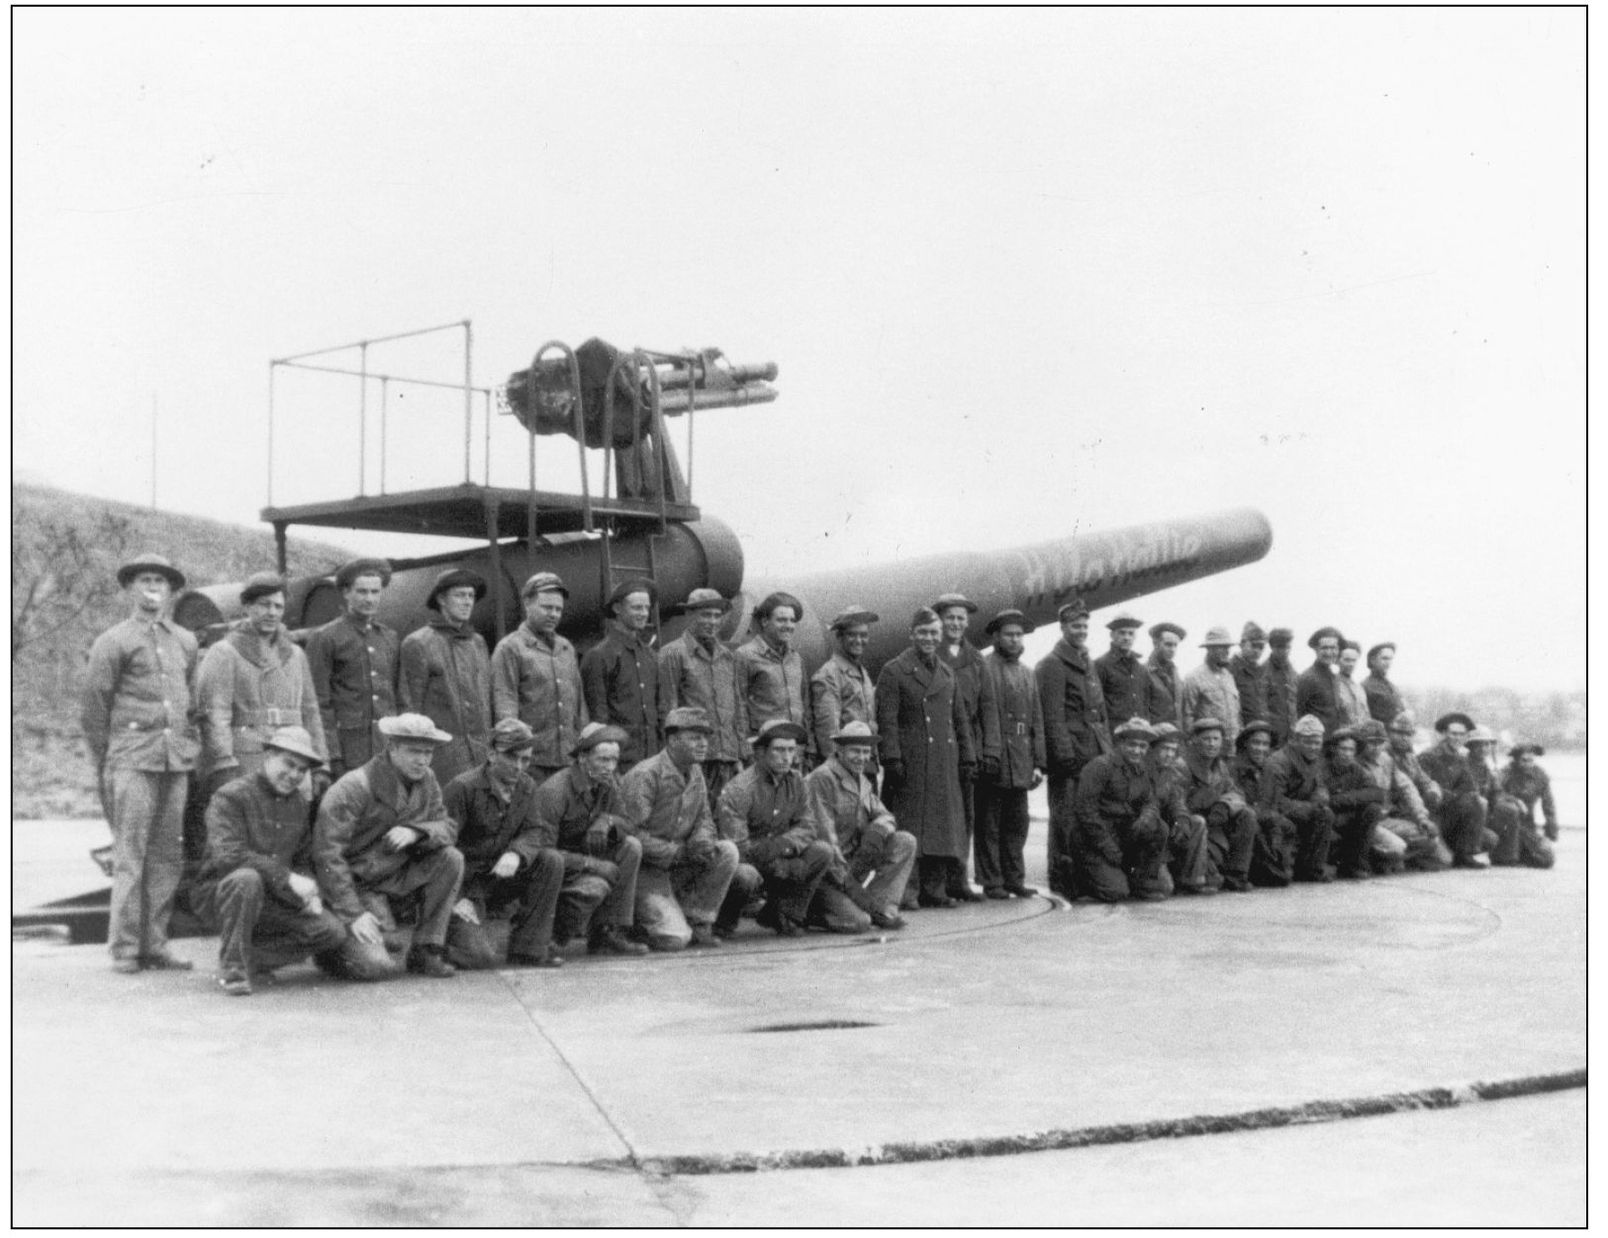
(249, 688)
(1252, 782)
(1205, 784)
(1531, 787)
(1317, 693)
(1114, 800)
(354, 664)
(349, 847)
(1210, 692)
(1450, 769)
(538, 681)
(666, 809)
(840, 692)
(620, 677)
(488, 827)
(249, 826)
(1294, 785)
(139, 703)
(1384, 702)
(1076, 726)
(1350, 700)
(445, 674)
(967, 665)
(570, 803)
(772, 684)
(1125, 685)
(1353, 787)
(707, 679)
(1401, 796)
(922, 724)
(845, 809)
(1165, 700)
(1250, 680)
(1013, 721)
(765, 814)
(1280, 685)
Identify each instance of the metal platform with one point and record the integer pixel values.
(475, 511)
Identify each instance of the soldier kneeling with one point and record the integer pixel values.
(873, 857)
(1119, 840)
(255, 885)
(509, 865)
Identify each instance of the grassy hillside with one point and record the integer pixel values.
(65, 550)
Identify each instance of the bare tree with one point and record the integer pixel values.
(60, 573)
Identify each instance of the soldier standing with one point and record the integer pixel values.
(954, 611)
(138, 717)
(536, 678)
(1075, 732)
(769, 669)
(842, 692)
(927, 758)
(1166, 702)
(1124, 681)
(354, 665)
(1250, 675)
(1280, 684)
(620, 674)
(1013, 760)
(252, 682)
(1316, 694)
(1384, 702)
(697, 671)
(1349, 697)
(1209, 689)
(446, 673)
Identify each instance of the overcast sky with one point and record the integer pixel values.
(1024, 273)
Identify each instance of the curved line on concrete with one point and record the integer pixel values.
(1128, 1132)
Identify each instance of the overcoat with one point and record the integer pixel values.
(248, 689)
(921, 722)
(1076, 727)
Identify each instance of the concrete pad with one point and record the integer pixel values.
(425, 1101)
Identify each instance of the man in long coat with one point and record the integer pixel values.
(1013, 760)
(927, 756)
(445, 674)
(954, 611)
(1075, 732)
(252, 682)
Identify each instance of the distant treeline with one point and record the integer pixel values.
(1552, 719)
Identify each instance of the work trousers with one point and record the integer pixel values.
(669, 901)
(970, 794)
(1462, 822)
(1189, 857)
(1062, 866)
(257, 933)
(1517, 839)
(1353, 830)
(1387, 850)
(1313, 837)
(1423, 848)
(1230, 838)
(879, 869)
(1139, 869)
(532, 896)
(1273, 852)
(590, 901)
(789, 885)
(147, 811)
(432, 880)
(1002, 825)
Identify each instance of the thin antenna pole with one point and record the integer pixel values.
(153, 451)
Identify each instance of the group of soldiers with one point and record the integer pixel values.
(647, 799)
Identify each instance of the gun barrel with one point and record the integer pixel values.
(1103, 568)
